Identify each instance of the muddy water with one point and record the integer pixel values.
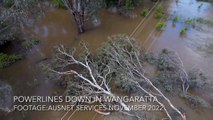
(187, 46)
(58, 27)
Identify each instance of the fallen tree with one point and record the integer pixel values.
(127, 59)
(120, 59)
(91, 81)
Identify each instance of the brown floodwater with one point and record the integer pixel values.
(58, 27)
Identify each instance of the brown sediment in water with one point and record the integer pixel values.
(58, 27)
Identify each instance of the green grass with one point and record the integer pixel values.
(160, 26)
(6, 60)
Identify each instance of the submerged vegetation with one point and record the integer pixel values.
(30, 43)
(176, 18)
(205, 21)
(195, 101)
(183, 30)
(198, 22)
(207, 48)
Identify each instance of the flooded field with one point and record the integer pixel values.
(58, 27)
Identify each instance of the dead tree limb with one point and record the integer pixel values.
(127, 55)
(119, 58)
(94, 81)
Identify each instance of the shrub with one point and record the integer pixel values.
(6, 33)
(6, 96)
(13, 15)
(159, 12)
(129, 5)
(125, 85)
(195, 101)
(198, 80)
(6, 60)
(127, 8)
(160, 26)
(145, 12)
(159, 9)
(8, 3)
(149, 57)
(176, 18)
(58, 3)
(183, 31)
(163, 62)
(188, 21)
(165, 51)
(158, 15)
(30, 43)
(110, 3)
(204, 21)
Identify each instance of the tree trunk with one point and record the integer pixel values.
(79, 22)
(77, 10)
